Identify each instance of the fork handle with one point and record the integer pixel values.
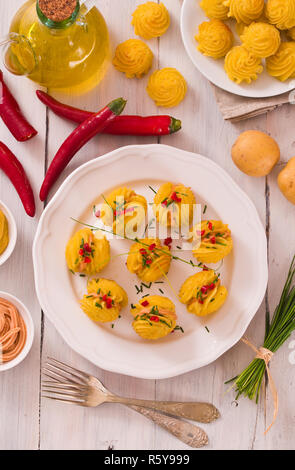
(188, 433)
(201, 412)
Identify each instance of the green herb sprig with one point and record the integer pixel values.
(249, 382)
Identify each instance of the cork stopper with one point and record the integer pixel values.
(57, 10)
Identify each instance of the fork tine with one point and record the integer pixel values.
(80, 372)
(64, 392)
(63, 385)
(59, 373)
(69, 402)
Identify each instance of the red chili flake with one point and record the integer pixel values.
(87, 247)
(212, 286)
(109, 303)
(164, 203)
(205, 268)
(154, 318)
(152, 247)
(105, 298)
(168, 241)
(145, 303)
(204, 289)
(87, 260)
(142, 251)
(210, 226)
(81, 252)
(201, 301)
(175, 198)
(201, 233)
(213, 240)
(148, 261)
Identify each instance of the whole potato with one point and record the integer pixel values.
(255, 153)
(286, 180)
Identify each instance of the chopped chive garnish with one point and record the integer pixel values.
(205, 208)
(146, 295)
(147, 286)
(153, 189)
(82, 275)
(133, 306)
(71, 271)
(206, 327)
(161, 291)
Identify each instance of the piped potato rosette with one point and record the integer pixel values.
(242, 66)
(215, 9)
(133, 57)
(149, 259)
(202, 293)
(87, 253)
(261, 39)
(215, 39)
(212, 241)
(174, 205)
(104, 300)
(281, 13)
(167, 87)
(244, 11)
(124, 211)
(154, 317)
(282, 64)
(151, 20)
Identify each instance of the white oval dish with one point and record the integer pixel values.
(120, 350)
(24, 312)
(12, 233)
(192, 16)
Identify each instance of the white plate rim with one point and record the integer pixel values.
(230, 87)
(56, 318)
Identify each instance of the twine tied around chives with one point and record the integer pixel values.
(266, 355)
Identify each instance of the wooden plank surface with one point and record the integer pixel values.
(30, 423)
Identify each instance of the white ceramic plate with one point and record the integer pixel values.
(192, 16)
(12, 231)
(24, 312)
(119, 349)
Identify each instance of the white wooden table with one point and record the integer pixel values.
(29, 422)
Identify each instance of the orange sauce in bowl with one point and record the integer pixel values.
(13, 332)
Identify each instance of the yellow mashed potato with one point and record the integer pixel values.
(87, 253)
(151, 20)
(202, 293)
(174, 205)
(212, 241)
(215, 39)
(124, 211)
(282, 64)
(242, 66)
(261, 39)
(215, 9)
(167, 87)
(148, 259)
(244, 11)
(154, 317)
(104, 300)
(133, 57)
(4, 234)
(281, 13)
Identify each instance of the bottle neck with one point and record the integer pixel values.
(58, 24)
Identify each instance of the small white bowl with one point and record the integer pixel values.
(23, 311)
(12, 231)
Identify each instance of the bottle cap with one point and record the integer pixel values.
(57, 10)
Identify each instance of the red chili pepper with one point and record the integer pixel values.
(148, 261)
(145, 303)
(152, 247)
(204, 289)
(212, 286)
(87, 247)
(77, 139)
(142, 251)
(213, 240)
(121, 125)
(210, 226)
(17, 175)
(87, 260)
(81, 252)
(12, 116)
(175, 198)
(109, 303)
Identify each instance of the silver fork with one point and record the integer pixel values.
(70, 385)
